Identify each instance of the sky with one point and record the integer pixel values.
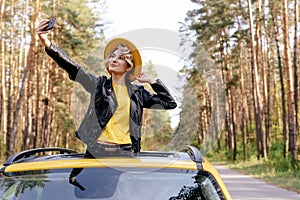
(126, 15)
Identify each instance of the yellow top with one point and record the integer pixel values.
(117, 129)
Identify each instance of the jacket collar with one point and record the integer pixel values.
(108, 85)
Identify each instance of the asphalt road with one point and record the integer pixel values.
(243, 187)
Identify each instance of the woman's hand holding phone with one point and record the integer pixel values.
(50, 24)
(42, 30)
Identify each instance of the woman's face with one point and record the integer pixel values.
(117, 64)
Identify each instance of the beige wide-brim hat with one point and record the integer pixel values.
(137, 60)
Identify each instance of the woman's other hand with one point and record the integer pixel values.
(145, 78)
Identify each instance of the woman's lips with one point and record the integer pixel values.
(113, 65)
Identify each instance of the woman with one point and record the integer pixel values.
(114, 116)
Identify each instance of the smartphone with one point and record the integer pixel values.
(50, 25)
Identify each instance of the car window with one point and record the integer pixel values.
(108, 183)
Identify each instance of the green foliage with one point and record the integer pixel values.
(78, 29)
(94, 61)
(157, 131)
(64, 118)
(210, 21)
(278, 162)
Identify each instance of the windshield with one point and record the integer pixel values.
(108, 183)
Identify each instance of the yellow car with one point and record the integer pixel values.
(65, 174)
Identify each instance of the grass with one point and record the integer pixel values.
(289, 179)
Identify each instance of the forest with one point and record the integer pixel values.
(248, 108)
(255, 46)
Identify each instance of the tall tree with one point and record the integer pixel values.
(3, 110)
(256, 86)
(262, 69)
(36, 95)
(11, 136)
(273, 12)
(294, 139)
(292, 121)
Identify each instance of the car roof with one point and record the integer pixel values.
(189, 158)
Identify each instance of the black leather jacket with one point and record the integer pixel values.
(103, 100)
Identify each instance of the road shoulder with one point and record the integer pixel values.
(245, 187)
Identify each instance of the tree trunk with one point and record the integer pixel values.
(3, 97)
(11, 137)
(231, 97)
(256, 92)
(294, 145)
(282, 85)
(290, 80)
(268, 82)
(243, 101)
(261, 62)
